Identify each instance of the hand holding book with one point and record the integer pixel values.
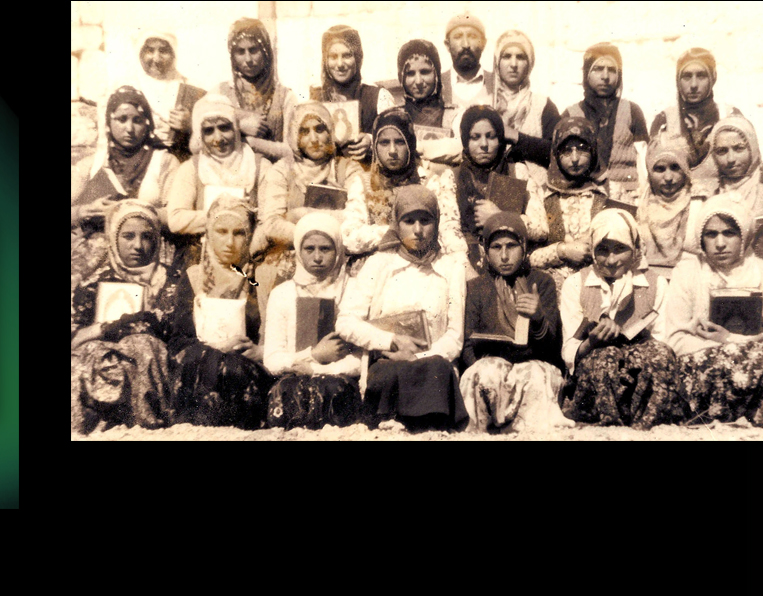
(405, 348)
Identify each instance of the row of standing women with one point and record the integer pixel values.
(414, 232)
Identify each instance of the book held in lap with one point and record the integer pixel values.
(115, 299)
(412, 324)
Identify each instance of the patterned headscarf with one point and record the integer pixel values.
(327, 226)
(558, 180)
(152, 276)
(255, 94)
(407, 200)
(513, 106)
(130, 165)
(428, 111)
(333, 91)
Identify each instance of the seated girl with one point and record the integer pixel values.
(396, 164)
(574, 196)
(667, 212)
(721, 368)
(413, 380)
(620, 376)
(318, 382)
(218, 378)
(484, 144)
(508, 386)
(134, 167)
(120, 366)
(222, 163)
(735, 148)
(282, 200)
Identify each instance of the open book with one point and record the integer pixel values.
(412, 324)
(739, 311)
(508, 194)
(115, 299)
(321, 196)
(219, 319)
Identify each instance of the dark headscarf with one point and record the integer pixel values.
(577, 128)
(698, 120)
(429, 111)
(257, 93)
(408, 199)
(601, 111)
(333, 91)
(508, 288)
(130, 165)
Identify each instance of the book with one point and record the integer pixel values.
(104, 184)
(315, 320)
(431, 133)
(187, 97)
(739, 311)
(613, 204)
(521, 335)
(346, 118)
(321, 196)
(508, 194)
(629, 332)
(219, 319)
(412, 324)
(211, 194)
(115, 299)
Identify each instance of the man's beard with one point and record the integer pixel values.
(467, 60)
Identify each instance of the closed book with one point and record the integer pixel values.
(315, 320)
(412, 324)
(613, 204)
(346, 118)
(187, 97)
(219, 319)
(739, 311)
(104, 184)
(431, 133)
(632, 331)
(520, 339)
(320, 196)
(115, 299)
(508, 194)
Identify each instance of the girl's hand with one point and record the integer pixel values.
(331, 348)
(237, 345)
(180, 120)
(483, 211)
(255, 354)
(713, 332)
(528, 305)
(604, 333)
(97, 208)
(360, 148)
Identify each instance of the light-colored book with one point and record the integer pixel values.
(346, 117)
(219, 319)
(211, 194)
(115, 299)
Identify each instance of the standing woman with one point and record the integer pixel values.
(721, 372)
(484, 146)
(221, 384)
(734, 146)
(510, 386)
(531, 116)
(263, 105)
(616, 381)
(694, 116)
(342, 62)
(121, 367)
(620, 125)
(318, 384)
(134, 166)
(417, 385)
(396, 164)
(221, 161)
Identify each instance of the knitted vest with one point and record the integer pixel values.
(533, 126)
(641, 303)
(622, 161)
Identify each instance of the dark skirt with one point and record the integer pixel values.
(425, 389)
(631, 385)
(724, 383)
(313, 402)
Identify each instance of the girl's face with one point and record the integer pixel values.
(505, 253)
(575, 157)
(318, 255)
(722, 243)
(392, 150)
(314, 139)
(157, 58)
(249, 58)
(419, 78)
(513, 67)
(219, 136)
(732, 154)
(695, 84)
(229, 239)
(604, 77)
(483, 143)
(128, 126)
(136, 242)
(668, 178)
(417, 231)
(341, 63)
(613, 259)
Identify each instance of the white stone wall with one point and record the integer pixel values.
(651, 36)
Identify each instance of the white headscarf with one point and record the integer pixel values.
(748, 186)
(333, 285)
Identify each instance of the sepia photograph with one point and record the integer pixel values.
(416, 221)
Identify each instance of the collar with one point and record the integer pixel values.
(594, 281)
(440, 268)
(458, 79)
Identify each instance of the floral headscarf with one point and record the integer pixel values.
(558, 180)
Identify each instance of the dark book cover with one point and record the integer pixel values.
(315, 320)
(412, 324)
(187, 97)
(103, 185)
(508, 194)
(320, 196)
(612, 204)
(738, 311)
